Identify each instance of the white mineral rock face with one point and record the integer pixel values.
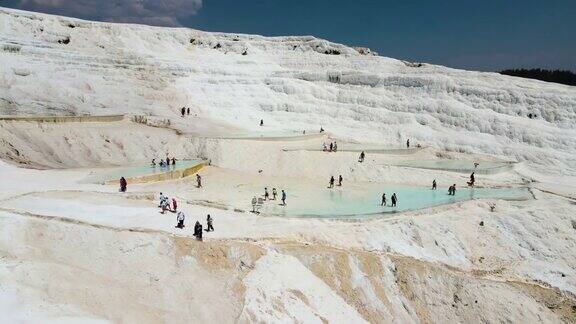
(56, 65)
(74, 250)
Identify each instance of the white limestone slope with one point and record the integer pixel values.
(56, 65)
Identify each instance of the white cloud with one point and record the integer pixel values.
(152, 12)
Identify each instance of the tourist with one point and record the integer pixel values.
(340, 181)
(408, 143)
(476, 164)
(321, 129)
(266, 194)
(472, 180)
(198, 231)
(180, 220)
(209, 227)
(362, 156)
(324, 147)
(188, 110)
(161, 199)
(164, 205)
(434, 184)
(174, 205)
(283, 197)
(335, 147)
(261, 122)
(331, 147)
(183, 111)
(123, 184)
(383, 203)
(274, 193)
(331, 182)
(198, 181)
(167, 161)
(394, 200)
(254, 203)
(153, 162)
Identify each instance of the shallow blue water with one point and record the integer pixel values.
(342, 203)
(458, 165)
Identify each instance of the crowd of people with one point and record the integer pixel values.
(257, 203)
(164, 162)
(167, 204)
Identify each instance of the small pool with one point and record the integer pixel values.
(142, 170)
(484, 167)
(348, 204)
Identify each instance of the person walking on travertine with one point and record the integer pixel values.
(331, 184)
(180, 220)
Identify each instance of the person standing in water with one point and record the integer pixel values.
(434, 184)
(394, 200)
(362, 156)
(331, 182)
(340, 180)
(383, 203)
(283, 197)
(274, 193)
(180, 220)
(198, 181)
(408, 143)
(123, 184)
(209, 227)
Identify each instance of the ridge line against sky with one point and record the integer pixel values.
(487, 36)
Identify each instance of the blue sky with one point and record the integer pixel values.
(479, 35)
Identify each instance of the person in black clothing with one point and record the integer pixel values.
(331, 182)
(261, 122)
(394, 200)
(434, 184)
(198, 231)
(188, 111)
(362, 156)
(408, 143)
(383, 203)
(123, 184)
(340, 180)
(183, 111)
(472, 180)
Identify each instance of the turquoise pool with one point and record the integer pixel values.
(484, 167)
(346, 204)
